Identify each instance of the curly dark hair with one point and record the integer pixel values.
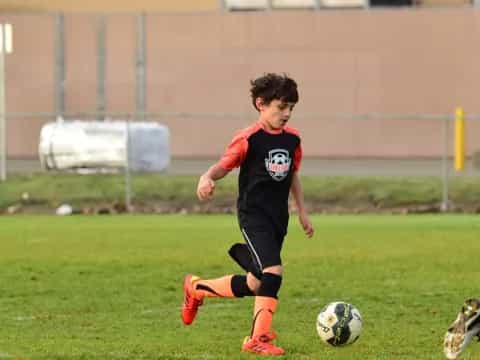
(273, 86)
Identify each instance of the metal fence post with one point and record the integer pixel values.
(128, 184)
(445, 205)
(59, 85)
(140, 67)
(3, 121)
(101, 55)
(5, 47)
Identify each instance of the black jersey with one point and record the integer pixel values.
(267, 161)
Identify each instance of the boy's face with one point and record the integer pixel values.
(276, 114)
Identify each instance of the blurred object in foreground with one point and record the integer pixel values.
(96, 146)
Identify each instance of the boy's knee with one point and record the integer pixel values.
(253, 282)
(275, 269)
(240, 286)
(270, 285)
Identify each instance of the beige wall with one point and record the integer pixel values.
(109, 5)
(351, 61)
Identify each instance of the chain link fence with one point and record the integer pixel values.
(190, 72)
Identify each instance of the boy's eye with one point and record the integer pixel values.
(284, 106)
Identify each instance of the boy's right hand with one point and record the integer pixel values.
(205, 188)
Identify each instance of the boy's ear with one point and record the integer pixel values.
(259, 103)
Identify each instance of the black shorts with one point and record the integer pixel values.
(265, 244)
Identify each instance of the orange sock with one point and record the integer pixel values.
(221, 287)
(263, 315)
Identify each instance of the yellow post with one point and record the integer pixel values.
(459, 139)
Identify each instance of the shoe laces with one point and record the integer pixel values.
(268, 337)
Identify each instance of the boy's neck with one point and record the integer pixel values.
(267, 127)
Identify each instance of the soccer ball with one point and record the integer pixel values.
(339, 323)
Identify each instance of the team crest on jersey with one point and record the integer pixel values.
(278, 164)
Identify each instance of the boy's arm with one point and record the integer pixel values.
(297, 192)
(232, 158)
(206, 183)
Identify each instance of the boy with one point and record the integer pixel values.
(462, 331)
(269, 154)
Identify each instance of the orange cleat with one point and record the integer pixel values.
(262, 345)
(190, 302)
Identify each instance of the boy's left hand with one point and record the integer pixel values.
(306, 224)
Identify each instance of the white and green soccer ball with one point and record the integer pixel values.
(339, 323)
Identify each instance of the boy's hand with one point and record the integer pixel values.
(205, 188)
(306, 224)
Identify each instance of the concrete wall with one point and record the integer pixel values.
(350, 61)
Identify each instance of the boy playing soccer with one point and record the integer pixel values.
(268, 153)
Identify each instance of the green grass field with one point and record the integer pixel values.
(110, 287)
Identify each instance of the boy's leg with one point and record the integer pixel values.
(261, 338)
(243, 257)
(265, 248)
(465, 327)
(265, 304)
(227, 286)
(196, 289)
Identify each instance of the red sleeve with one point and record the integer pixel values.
(235, 153)
(297, 158)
